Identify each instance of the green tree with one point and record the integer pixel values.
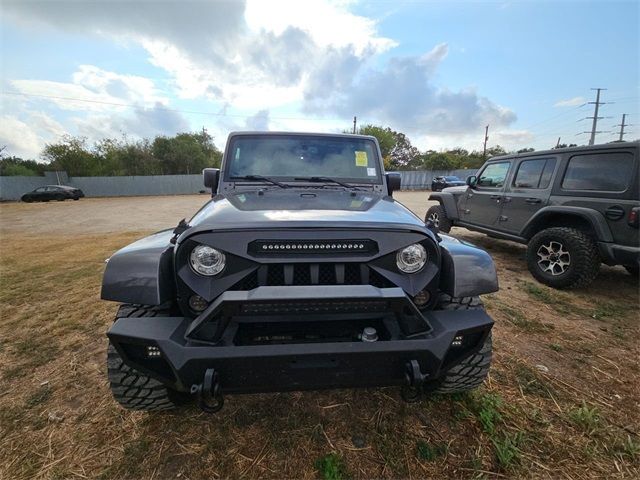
(186, 153)
(72, 156)
(397, 151)
(16, 166)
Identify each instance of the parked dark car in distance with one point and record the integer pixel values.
(52, 192)
(438, 183)
(575, 208)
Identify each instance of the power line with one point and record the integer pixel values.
(486, 139)
(622, 125)
(595, 117)
(160, 107)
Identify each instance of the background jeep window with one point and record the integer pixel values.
(534, 173)
(609, 172)
(286, 157)
(494, 175)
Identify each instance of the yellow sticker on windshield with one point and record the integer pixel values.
(361, 159)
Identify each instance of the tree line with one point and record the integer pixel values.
(184, 153)
(188, 153)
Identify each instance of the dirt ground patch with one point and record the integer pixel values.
(562, 400)
(124, 214)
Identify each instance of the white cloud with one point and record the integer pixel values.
(92, 84)
(570, 102)
(402, 94)
(328, 23)
(314, 57)
(27, 138)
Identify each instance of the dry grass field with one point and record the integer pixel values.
(562, 400)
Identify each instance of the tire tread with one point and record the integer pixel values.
(132, 389)
(472, 371)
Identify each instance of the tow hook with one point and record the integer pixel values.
(209, 392)
(413, 389)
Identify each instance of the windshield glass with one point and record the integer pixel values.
(453, 179)
(287, 157)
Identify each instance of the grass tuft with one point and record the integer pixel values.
(38, 397)
(430, 452)
(507, 450)
(586, 418)
(331, 467)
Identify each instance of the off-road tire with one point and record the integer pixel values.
(584, 263)
(472, 371)
(132, 389)
(437, 212)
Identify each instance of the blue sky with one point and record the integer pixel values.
(438, 71)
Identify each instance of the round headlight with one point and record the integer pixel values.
(411, 259)
(206, 260)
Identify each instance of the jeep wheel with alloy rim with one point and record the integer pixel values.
(563, 257)
(438, 217)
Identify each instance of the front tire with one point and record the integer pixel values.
(472, 371)
(132, 389)
(563, 257)
(438, 216)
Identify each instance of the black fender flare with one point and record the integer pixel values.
(466, 270)
(593, 217)
(448, 202)
(141, 272)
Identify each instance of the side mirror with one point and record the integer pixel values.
(211, 177)
(472, 180)
(393, 182)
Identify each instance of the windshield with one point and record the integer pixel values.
(287, 157)
(453, 179)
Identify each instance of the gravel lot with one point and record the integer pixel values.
(123, 214)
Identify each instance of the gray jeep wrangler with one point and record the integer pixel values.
(302, 272)
(574, 208)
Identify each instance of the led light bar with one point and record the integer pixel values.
(302, 247)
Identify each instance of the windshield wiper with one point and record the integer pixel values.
(260, 178)
(326, 179)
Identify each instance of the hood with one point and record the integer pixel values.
(457, 190)
(271, 208)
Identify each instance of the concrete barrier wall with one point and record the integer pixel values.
(421, 179)
(12, 188)
(139, 185)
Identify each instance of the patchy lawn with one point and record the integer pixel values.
(562, 400)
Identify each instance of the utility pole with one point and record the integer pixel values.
(558, 143)
(595, 117)
(622, 125)
(486, 139)
(354, 125)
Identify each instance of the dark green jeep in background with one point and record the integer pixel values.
(574, 208)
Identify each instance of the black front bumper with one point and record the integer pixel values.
(184, 355)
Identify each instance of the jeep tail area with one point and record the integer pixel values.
(301, 273)
(574, 208)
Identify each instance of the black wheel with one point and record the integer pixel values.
(563, 257)
(27, 199)
(473, 370)
(634, 270)
(132, 389)
(76, 198)
(437, 215)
